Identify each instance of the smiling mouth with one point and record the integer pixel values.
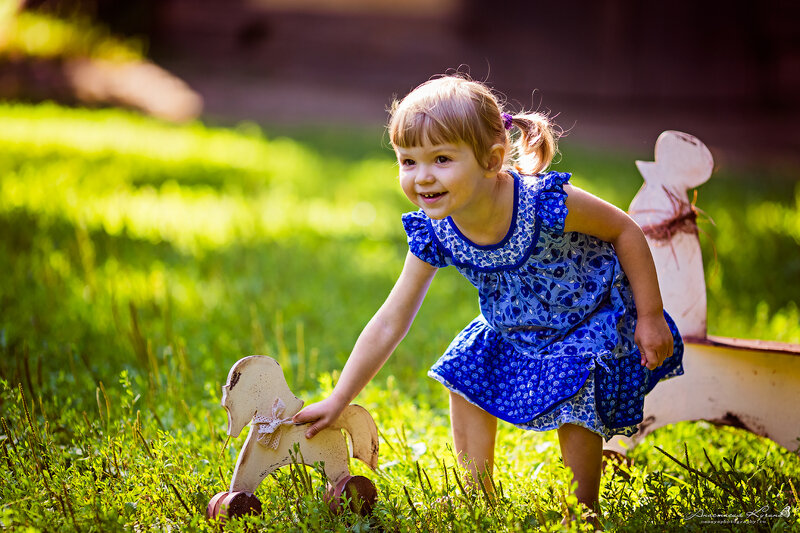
(433, 195)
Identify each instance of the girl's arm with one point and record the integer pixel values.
(591, 215)
(375, 344)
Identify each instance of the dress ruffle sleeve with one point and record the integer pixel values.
(551, 207)
(421, 241)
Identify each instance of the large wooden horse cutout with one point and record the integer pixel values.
(749, 384)
(256, 392)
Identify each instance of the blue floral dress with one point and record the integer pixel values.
(554, 341)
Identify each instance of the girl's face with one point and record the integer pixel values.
(443, 179)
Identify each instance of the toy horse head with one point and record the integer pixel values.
(254, 384)
(682, 162)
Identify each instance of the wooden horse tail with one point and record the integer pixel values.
(362, 433)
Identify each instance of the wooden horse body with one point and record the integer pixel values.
(256, 392)
(750, 384)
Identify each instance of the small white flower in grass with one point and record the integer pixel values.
(418, 449)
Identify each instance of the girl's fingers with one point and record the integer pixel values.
(300, 417)
(653, 360)
(315, 428)
(304, 417)
(647, 358)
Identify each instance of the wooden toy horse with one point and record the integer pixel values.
(744, 383)
(257, 391)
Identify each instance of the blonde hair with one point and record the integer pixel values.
(457, 109)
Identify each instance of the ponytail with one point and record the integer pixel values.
(536, 146)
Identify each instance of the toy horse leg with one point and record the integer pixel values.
(239, 500)
(328, 447)
(245, 476)
(256, 462)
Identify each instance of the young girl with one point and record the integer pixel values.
(572, 333)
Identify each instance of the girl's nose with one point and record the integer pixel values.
(424, 175)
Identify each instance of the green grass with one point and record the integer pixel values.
(141, 260)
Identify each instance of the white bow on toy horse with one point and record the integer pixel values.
(256, 392)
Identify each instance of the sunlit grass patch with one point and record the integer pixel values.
(193, 187)
(51, 129)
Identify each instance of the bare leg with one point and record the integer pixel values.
(582, 451)
(474, 433)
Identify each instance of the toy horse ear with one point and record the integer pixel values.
(646, 169)
(681, 162)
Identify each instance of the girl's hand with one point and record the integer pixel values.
(654, 340)
(320, 415)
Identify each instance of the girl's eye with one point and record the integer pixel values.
(442, 159)
(407, 162)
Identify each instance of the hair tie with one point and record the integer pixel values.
(507, 120)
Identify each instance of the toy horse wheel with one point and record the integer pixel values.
(360, 490)
(226, 505)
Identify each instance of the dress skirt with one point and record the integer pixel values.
(604, 394)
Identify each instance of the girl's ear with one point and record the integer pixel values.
(494, 163)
